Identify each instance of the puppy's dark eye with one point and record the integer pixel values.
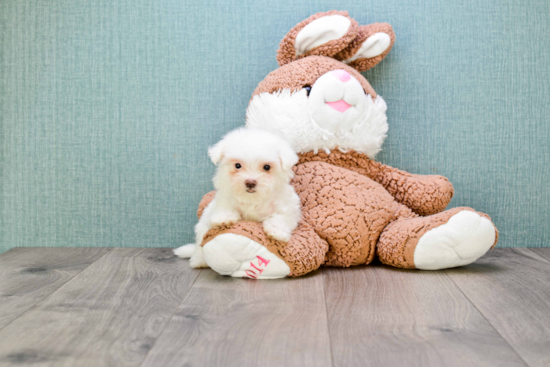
(237, 165)
(308, 89)
(267, 167)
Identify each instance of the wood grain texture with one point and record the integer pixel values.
(28, 275)
(511, 288)
(132, 307)
(239, 322)
(381, 316)
(108, 315)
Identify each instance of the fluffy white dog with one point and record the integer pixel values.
(252, 182)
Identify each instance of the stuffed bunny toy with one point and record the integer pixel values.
(354, 209)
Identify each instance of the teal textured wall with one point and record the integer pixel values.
(107, 107)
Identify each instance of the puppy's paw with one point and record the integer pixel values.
(277, 230)
(220, 219)
(197, 261)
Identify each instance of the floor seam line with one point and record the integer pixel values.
(326, 317)
(486, 319)
(530, 249)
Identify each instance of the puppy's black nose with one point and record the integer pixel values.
(250, 184)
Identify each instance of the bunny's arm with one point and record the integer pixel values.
(424, 194)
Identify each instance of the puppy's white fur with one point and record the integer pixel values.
(253, 156)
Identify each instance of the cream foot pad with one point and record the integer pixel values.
(462, 240)
(239, 256)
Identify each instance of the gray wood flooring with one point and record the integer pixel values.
(144, 307)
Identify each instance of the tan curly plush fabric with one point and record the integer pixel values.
(287, 52)
(305, 72)
(347, 210)
(424, 194)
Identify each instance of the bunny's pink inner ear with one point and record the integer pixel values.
(324, 34)
(372, 44)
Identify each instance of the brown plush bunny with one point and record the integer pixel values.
(353, 207)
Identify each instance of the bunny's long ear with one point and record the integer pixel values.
(373, 43)
(323, 34)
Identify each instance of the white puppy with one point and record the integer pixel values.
(252, 182)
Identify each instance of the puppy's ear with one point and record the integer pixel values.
(287, 157)
(216, 152)
(322, 34)
(373, 43)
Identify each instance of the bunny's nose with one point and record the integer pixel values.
(341, 75)
(250, 184)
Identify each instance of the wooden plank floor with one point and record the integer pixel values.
(144, 307)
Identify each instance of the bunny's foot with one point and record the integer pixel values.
(239, 256)
(455, 237)
(244, 250)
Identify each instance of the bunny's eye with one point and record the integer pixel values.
(237, 165)
(308, 89)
